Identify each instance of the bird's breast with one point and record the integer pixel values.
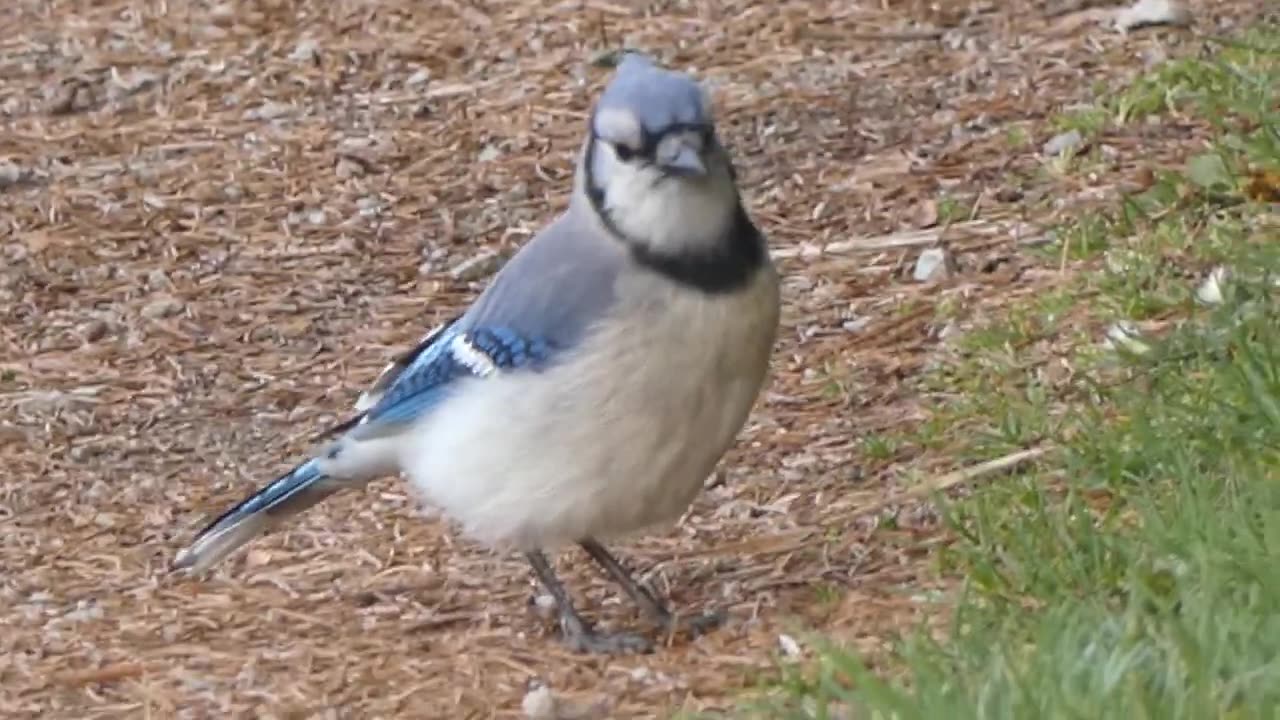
(618, 435)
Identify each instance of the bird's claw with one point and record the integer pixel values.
(581, 637)
(696, 625)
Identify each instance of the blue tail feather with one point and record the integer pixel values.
(289, 494)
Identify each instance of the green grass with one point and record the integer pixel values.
(1135, 572)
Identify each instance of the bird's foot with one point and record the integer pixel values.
(649, 603)
(695, 625)
(581, 636)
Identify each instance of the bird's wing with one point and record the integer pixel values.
(385, 380)
(542, 303)
(478, 352)
(398, 364)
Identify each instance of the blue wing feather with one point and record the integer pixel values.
(455, 355)
(507, 348)
(541, 303)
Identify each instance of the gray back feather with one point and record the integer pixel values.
(558, 285)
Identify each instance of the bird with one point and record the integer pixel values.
(592, 387)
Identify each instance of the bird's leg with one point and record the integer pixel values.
(643, 597)
(578, 633)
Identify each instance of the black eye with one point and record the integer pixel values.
(624, 153)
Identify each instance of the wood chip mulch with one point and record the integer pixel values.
(219, 220)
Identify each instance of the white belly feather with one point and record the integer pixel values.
(619, 437)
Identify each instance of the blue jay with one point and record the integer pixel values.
(592, 387)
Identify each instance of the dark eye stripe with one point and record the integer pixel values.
(624, 153)
(649, 142)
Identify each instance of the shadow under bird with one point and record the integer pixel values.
(592, 387)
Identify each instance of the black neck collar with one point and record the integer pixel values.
(721, 268)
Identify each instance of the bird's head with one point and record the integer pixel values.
(653, 168)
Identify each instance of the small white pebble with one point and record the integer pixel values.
(418, 78)
(789, 646)
(544, 605)
(856, 323)
(1063, 142)
(1145, 13)
(1210, 291)
(931, 265)
(307, 50)
(1124, 334)
(10, 174)
(539, 704)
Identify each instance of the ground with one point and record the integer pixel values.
(220, 221)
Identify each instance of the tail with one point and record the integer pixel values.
(287, 495)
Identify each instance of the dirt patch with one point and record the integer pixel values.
(218, 222)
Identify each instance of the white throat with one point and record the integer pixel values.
(670, 215)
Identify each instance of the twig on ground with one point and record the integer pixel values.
(959, 477)
(786, 542)
(911, 239)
